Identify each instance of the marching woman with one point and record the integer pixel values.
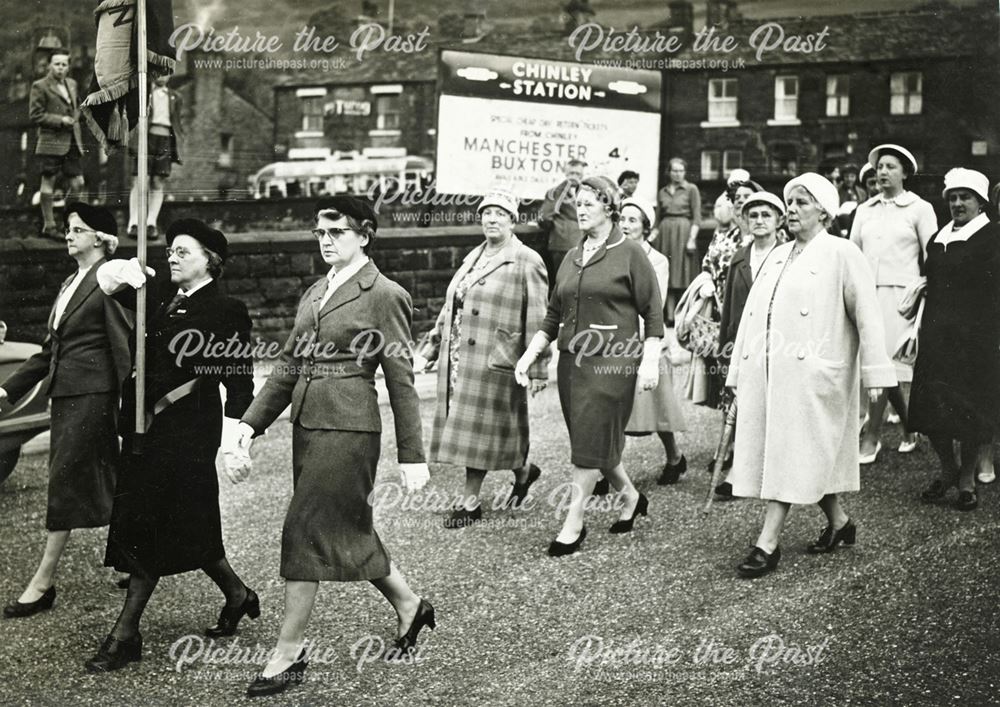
(679, 208)
(604, 287)
(84, 361)
(165, 518)
(795, 367)
(497, 296)
(956, 380)
(892, 230)
(356, 320)
(657, 411)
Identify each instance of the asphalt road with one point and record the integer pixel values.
(907, 616)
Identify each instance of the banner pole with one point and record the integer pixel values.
(143, 193)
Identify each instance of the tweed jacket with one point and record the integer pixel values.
(87, 353)
(558, 216)
(327, 366)
(601, 302)
(46, 109)
(484, 425)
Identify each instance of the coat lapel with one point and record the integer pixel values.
(319, 289)
(351, 290)
(62, 288)
(87, 285)
(614, 239)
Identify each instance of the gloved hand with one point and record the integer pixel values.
(414, 476)
(115, 274)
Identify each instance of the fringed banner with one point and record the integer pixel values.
(112, 110)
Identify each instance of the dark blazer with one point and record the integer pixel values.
(739, 280)
(192, 426)
(87, 353)
(327, 366)
(609, 295)
(558, 216)
(46, 109)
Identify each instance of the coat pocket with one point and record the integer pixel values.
(506, 351)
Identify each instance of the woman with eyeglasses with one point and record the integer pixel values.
(83, 362)
(165, 519)
(356, 321)
(956, 378)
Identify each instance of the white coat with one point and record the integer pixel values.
(796, 372)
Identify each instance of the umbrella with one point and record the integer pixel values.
(725, 442)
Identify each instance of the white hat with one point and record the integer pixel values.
(820, 187)
(645, 208)
(874, 155)
(962, 178)
(499, 197)
(863, 174)
(765, 197)
(738, 175)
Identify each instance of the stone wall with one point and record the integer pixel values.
(267, 270)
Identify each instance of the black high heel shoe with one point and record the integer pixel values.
(520, 491)
(115, 654)
(602, 487)
(229, 619)
(558, 549)
(408, 641)
(17, 610)
(672, 472)
(625, 526)
(829, 539)
(292, 675)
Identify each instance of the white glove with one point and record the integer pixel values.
(3, 395)
(414, 476)
(246, 434)
(115, 274)
(521, 368)
(420, 363)
(707, 290)
(648, 375)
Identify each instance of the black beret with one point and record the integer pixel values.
(97, 217)
(201, 232)
(348, 205)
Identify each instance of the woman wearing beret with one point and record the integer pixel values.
(656, 411)
(764, 213)
(679, 209)
(956, 379)
(810, 334)
(83, 362)
(165, 518)
(494, 300)
(604, 287)
(892, 230)
(356, 320)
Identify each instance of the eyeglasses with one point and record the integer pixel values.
(181, 253)
(77, 231)
(334, 233)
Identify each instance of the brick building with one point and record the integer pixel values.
(926, 78)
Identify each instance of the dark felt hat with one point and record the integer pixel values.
(201, 232)
(96, 217)
(353, 206)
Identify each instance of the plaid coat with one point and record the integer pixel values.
(485, 424)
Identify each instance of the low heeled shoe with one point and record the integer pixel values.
(758, 563)
(405, 644)
(625, 526)
(17, 610)
(230, 617)
(558, 549)
(671, 473)
(292, 675)
(830, 538)
(115, 654)
(520, 490)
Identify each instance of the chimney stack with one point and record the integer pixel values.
(721, 12)
(681, 17)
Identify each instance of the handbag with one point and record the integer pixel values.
(697, 331)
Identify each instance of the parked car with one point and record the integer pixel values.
(29, 416)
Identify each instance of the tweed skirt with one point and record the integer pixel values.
(328, 533)
(596, 398)
(83, 458)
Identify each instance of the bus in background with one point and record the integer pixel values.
(311, 173)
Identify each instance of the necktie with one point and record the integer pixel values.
(175, 304)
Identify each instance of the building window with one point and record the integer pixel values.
(786, 98)
(907, 93)
(387, 111)
(722, 101)
(838, 98)
(711, 166)
(312, 114)
(731, 159)
(226, 145)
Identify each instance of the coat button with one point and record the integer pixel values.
(475, 312)
(472, 342)
(804, 311)
(482, 282)
(802, 355)
(746, 356)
